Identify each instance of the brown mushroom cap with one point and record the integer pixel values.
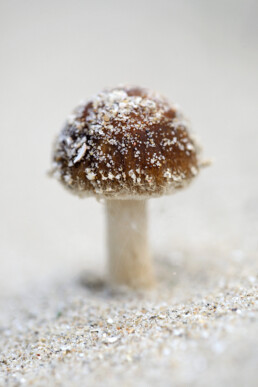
(125, 143)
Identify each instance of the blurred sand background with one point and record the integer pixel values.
(202, 55)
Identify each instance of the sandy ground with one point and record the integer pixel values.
(198, 328)
(60, 324)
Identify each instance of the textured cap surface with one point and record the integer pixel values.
(125, 143)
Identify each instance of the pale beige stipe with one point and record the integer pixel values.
(129, 256)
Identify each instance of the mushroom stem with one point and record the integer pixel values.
(129, 256)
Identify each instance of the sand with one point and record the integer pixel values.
(199, 327)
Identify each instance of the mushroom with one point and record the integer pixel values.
(126, 145)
